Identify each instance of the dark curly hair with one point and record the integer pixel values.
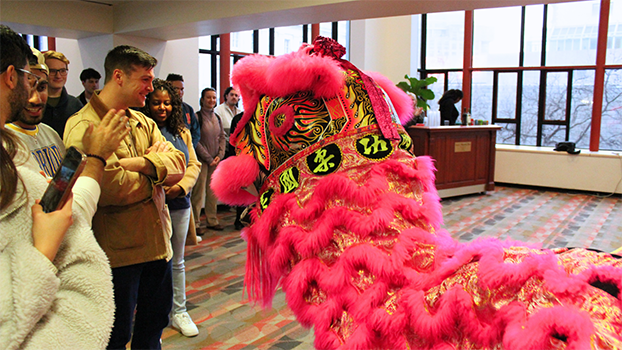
(175, 122)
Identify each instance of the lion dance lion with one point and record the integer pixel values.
(348, 222)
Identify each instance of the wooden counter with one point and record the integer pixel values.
(465, 156)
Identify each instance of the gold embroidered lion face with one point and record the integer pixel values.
(283, 126)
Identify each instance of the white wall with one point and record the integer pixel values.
(382, 45)
(175, 56)
(71, 50)
(182, 57)
(541, 166)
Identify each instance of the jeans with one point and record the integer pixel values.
(180, 219)
(146, 288)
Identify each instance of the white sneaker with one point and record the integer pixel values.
(199, 239)
(184, 323)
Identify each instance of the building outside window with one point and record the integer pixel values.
(536, 99)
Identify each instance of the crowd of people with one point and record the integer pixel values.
(108, 267)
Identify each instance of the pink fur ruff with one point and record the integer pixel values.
(401, 101)
(230, 189)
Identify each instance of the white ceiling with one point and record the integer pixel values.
(177, 19)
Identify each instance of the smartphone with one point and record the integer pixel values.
(59, 189)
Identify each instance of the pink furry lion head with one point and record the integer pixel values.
(296, 100)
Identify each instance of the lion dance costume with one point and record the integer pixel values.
(347, 221)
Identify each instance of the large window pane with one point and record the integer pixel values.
(445, 40)
(205, 72)
(614, 53)
(343, 36)
(581, 107)
(611, 124)
(556, 93)
(287, 39)
(455, 82)
(264, 41)
(496, 37)
(438, 88)
(529, 108)
(572, 31)
(481, 96)
(552, 134)
(242, 41)
(506, 96)
(507, 133)
(326, 29)
(534, 17)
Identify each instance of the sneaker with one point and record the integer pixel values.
(184, 323)
(199, 239)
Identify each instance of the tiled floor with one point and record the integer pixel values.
(216, 266)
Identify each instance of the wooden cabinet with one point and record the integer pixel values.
(464, 156)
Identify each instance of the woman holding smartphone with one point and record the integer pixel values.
(163, 105)
(57, 289)
(55, 281)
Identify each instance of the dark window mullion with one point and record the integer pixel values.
(424, 45)
(519, 104)
(541, 106)
(271, 42)
(256, 41)
(305, 33)
(495, 95)
(335, 31)
(568, 103)
(543, 73)
(521, 52)
(554, 122)
(214, 50)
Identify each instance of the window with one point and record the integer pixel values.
(496, 37)
(270, 41)
(242, 41)
(563, 21)
(444, 40)
(611, 122)
(614, 53)
(537, 106)
(287, 39)
(209, 59)
(581, 107)
(481, 95)
(533, 35)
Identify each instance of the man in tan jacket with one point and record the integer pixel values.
(132, 224)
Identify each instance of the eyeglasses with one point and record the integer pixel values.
(33, 79)
(62, 71)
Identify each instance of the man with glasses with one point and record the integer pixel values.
(60, 105)
(43, 142)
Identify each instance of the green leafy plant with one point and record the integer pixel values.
(419, 89)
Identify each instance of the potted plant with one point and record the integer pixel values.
(417, 89)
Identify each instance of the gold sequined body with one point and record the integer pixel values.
(351, 227)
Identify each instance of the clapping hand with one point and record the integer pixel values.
(104, 139)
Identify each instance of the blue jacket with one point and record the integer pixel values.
(191, 122)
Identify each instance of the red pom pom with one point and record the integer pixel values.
(230, 178)
(328, 47)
